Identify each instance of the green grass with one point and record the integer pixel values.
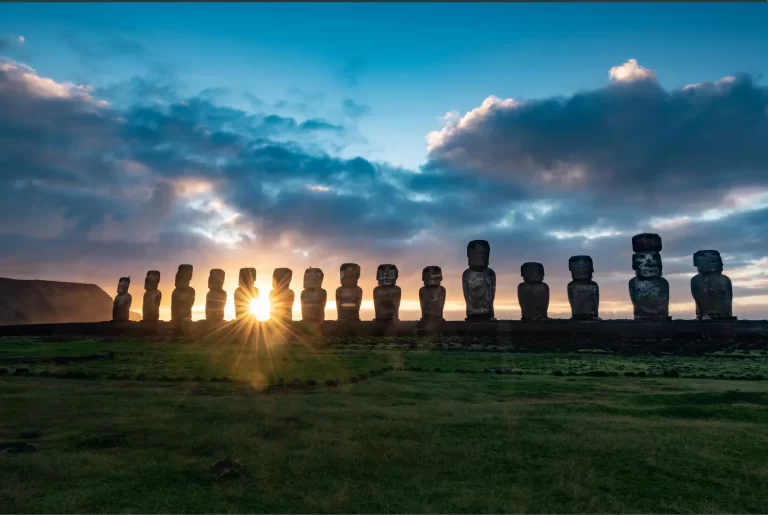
(404, 441)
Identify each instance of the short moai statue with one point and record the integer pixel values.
(150, 311)
(183, 297)
(349, 295)
(281, 297)
(217, 297)
(583, 292)
(648, 290)
(121, 308)
(711, 290)
(432, 295)
(386, 296)
(479, 282)
(246, 292)
(313, 297)
(533, 292)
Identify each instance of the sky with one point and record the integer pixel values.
(141, 136)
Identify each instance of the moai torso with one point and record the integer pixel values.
(648, 290)
(583, 292)
(183, 297)
(150, 311)
(313, 297)
(217, 297)
(386, 296)
(432, 294)
(479, 282)
(246, 292)
(349, 295)
(712, 291)
(121, 308)
(281, 297)
(533, 293)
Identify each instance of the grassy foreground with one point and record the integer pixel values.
(403, 441)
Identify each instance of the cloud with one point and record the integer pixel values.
(631, 72)
(20, 39)
(351, 71)
(354, 110)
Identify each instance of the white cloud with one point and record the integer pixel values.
(21, 39)
(454, 123)
(46, 87)
(631, 72)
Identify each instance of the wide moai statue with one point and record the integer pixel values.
(711, 290)
(150, 310)
(533, 292)
(479, 282)
(245, 293)
(648, 290)
(281, 297)
(217, 297)
(386, 296)
(121, 308)
(313, 297)
(432, 294)
(583, 292)
(349, 295)
(183, 297)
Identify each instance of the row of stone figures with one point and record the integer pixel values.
(648, 290)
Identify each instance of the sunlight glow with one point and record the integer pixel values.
(260, 308)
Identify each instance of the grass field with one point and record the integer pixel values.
(138, 426)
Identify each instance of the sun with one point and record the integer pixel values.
(260, 308)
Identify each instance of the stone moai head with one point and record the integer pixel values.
(478, 254)
(581, 268)
(152, 280)
(123, 284)
(386, 275)
(281, 278)
(647, 264)
(216, 279)
(183, 275)
(349, 273)
(532, 272)
(432, 276)
(247, 277)
(313, 278)
(708, 261)
(646, 242)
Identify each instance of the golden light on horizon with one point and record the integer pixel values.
(260, 308)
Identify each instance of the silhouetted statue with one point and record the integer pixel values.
(711, 290)
(121, 308)
(349, 295)
(533, 292)
(183, 297)
(386, 296)
(648, 290)
(432, 294)
(246, 292)
(217, 297)
(479, 282)
(150, 311)
(281, 298)
(313, 297)
(583, 292)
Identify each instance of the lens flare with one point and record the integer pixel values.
(260, 309)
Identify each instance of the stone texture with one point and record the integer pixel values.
(386, 296)
(246, 292)
(121, 308)
(583, 292)
(349, 295)
(533, 292)
(479, 282)
(313, 297)
(183, 297)
(281, 297)
(150, 309)
(712, 291)
(648, 290)
(646, 242)
(217, 297)
(432, 294)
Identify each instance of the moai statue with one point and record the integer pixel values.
(281, 298)
(313, 297)
(479, 282)
(151, 309)
(183, 297)
(583, 292)
(349, 295)
(217, 297)
(648, 290)
(246, 292)
(711, 290)
(432, 294)
(121, 308)
(386, 296)
(533, 292)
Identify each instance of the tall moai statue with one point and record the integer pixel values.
(281, 297)
(246, 292)
(150, 311)
(121, 308)
(479, 282)
(533, 292)
(217, 297)
(648, 290)
(313, 297)
(432, 295)
(349, 295)
(183, 297)
(711, 290)
(386, 296)
(583, 292)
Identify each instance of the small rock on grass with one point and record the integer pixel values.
(225, 469)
